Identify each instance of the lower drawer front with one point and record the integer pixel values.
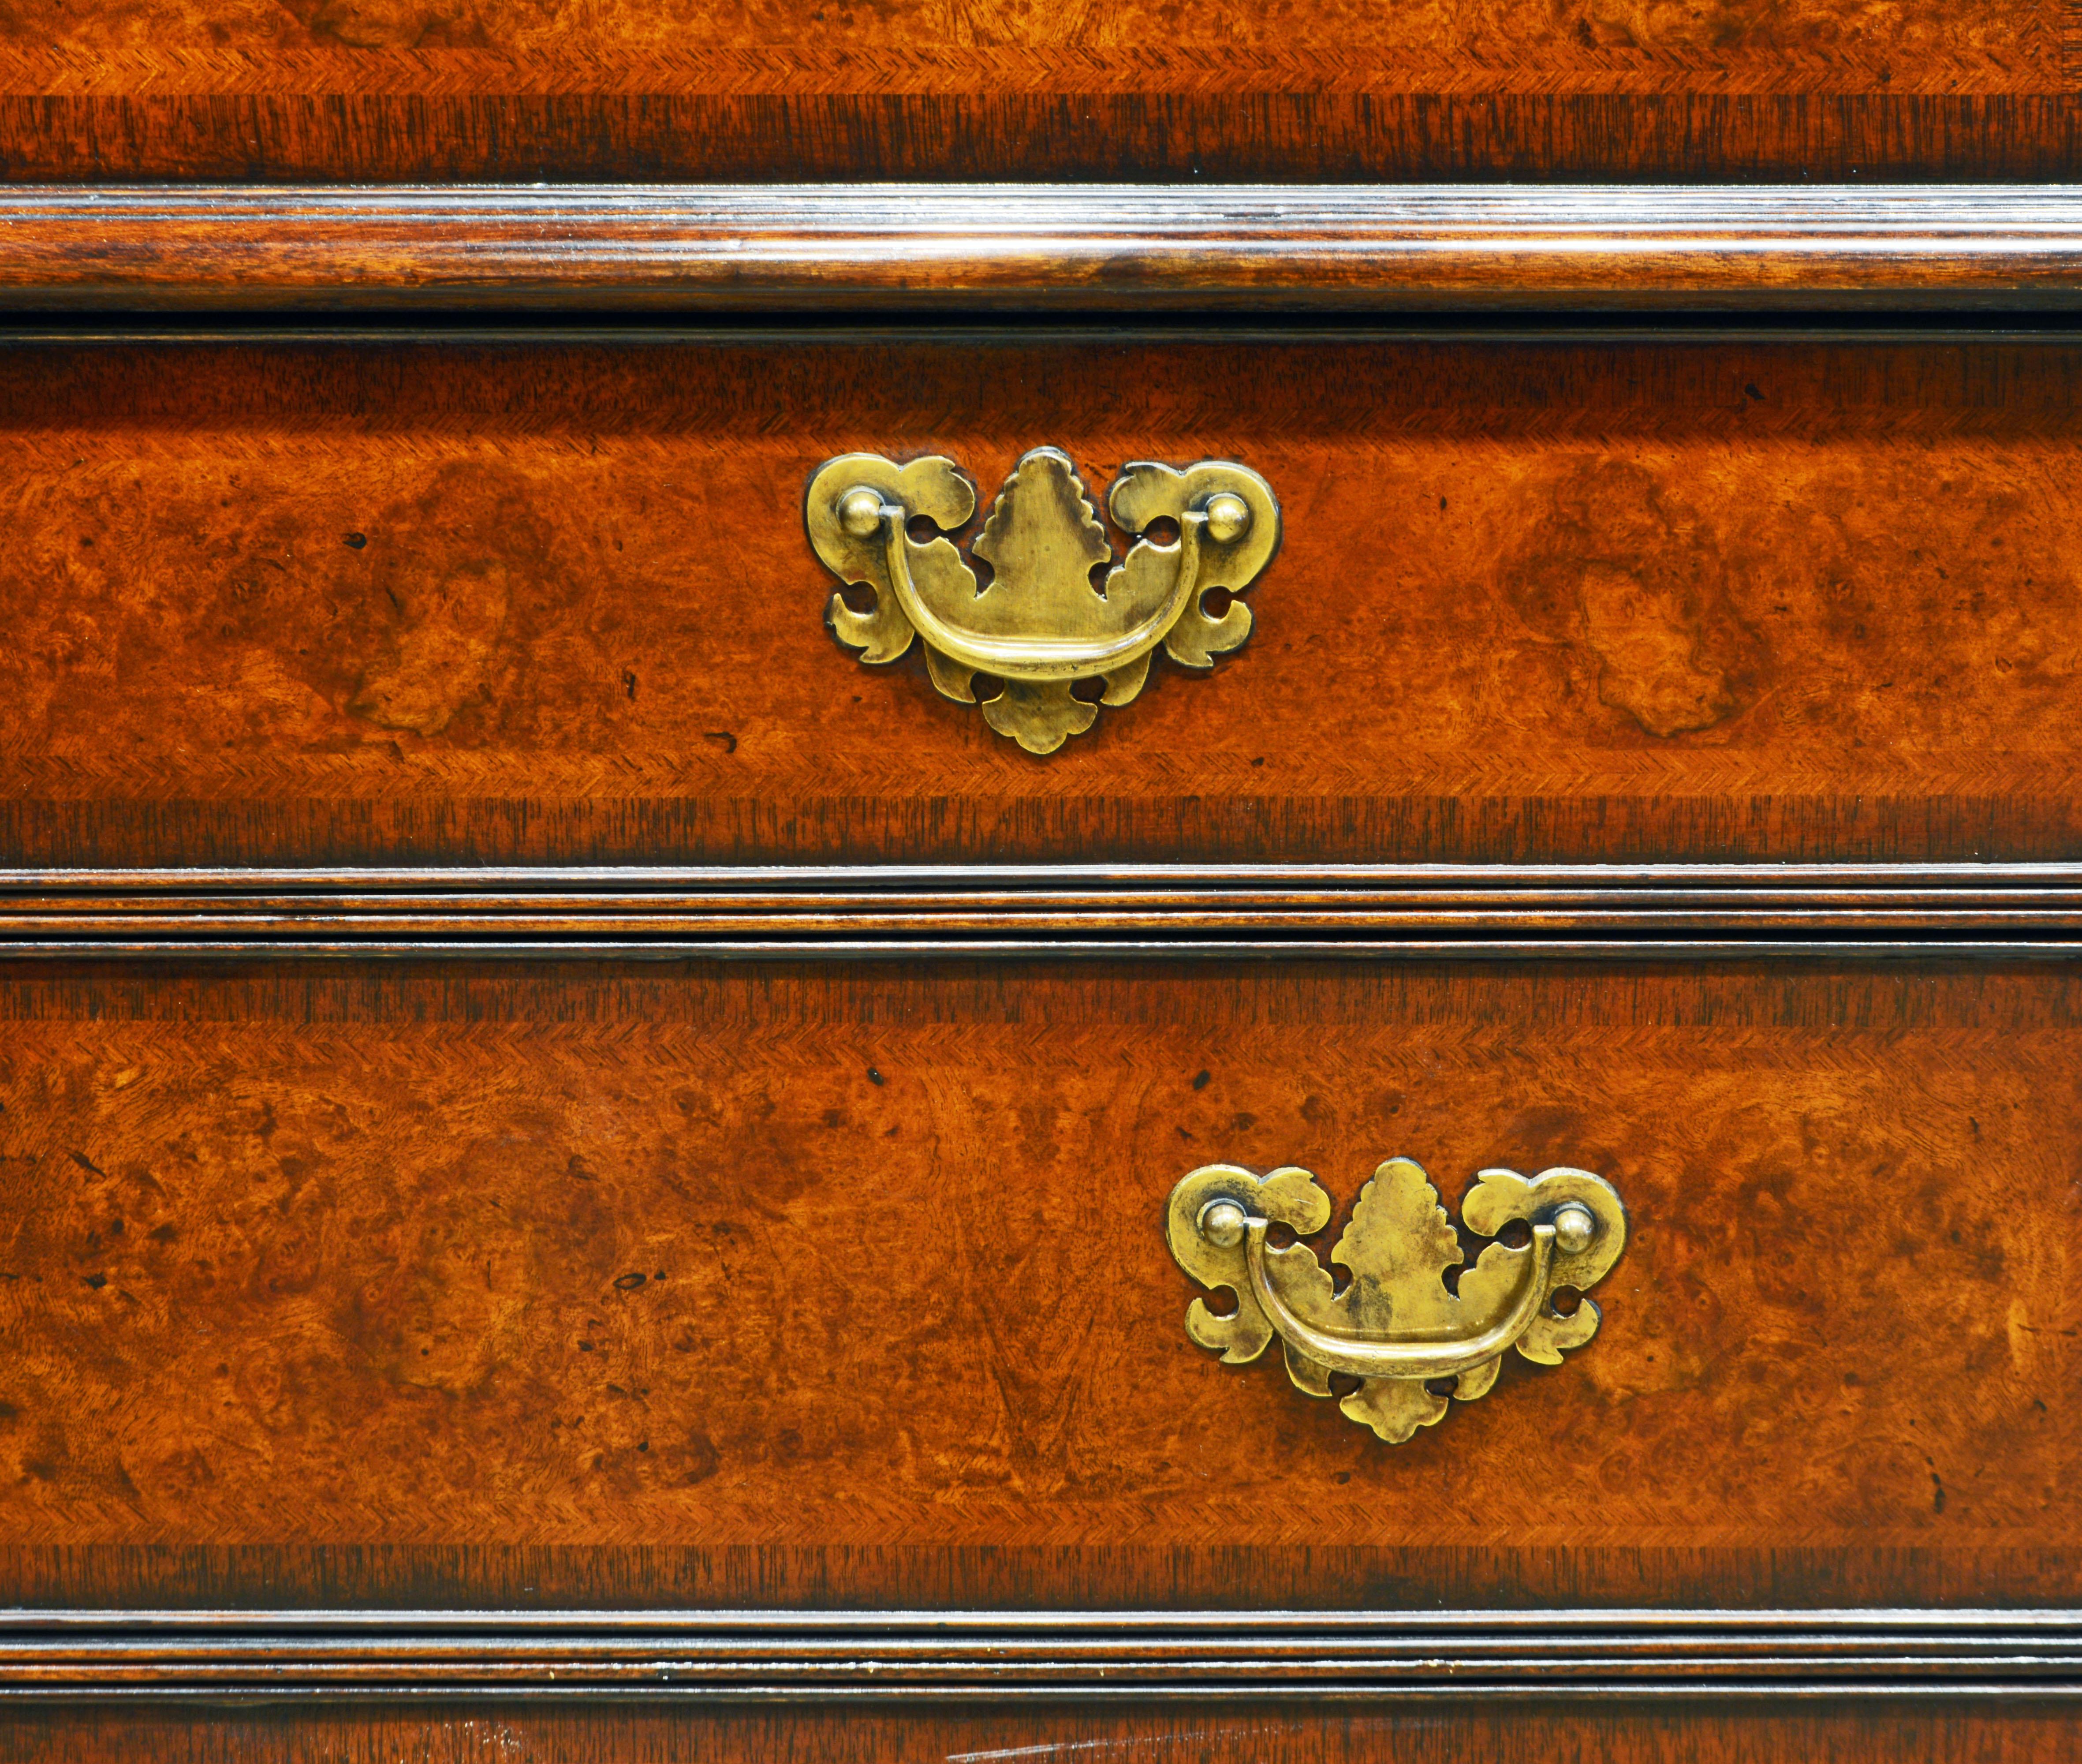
(601, 1285)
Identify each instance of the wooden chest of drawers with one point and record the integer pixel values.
(1265, 949)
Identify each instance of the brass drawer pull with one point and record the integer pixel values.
(1397, 1327)
(1043, 623)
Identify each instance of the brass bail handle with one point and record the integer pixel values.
(1396, 1326)
(1060, 609)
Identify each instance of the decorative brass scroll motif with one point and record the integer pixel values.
(1043, 623)
(1396, 1328)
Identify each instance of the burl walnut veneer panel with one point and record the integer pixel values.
(551, 601)
(600, 1285)
(468, 90)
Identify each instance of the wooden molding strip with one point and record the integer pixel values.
(864, 879)
(604, 945)
(1104, 247)
(913, 1654)
(596, 947)
(1652, 910)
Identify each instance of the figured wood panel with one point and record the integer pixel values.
(462, 90)
(550, 601)
(615, 1285)
(2017, 1732)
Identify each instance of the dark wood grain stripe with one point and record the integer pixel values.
(284, 132)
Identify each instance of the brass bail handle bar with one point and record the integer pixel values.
(1407, 1357)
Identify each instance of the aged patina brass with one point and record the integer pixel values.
(1043, 623)
(1396, 1328)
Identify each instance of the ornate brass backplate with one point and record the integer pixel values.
(1042, 622)
(1396, 1328)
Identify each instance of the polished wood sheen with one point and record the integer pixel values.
(549, 600)
(1048, 248)
(465, 89)
(591, 1286)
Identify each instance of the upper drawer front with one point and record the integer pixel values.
(553, 602)
(464, 90)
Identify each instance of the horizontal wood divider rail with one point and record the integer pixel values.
(907, 1655)
(1995, 911)
(1038, 246)
(1173, 948)
(869, 878)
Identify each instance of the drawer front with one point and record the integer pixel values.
(383, 603)
(599, 1286)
